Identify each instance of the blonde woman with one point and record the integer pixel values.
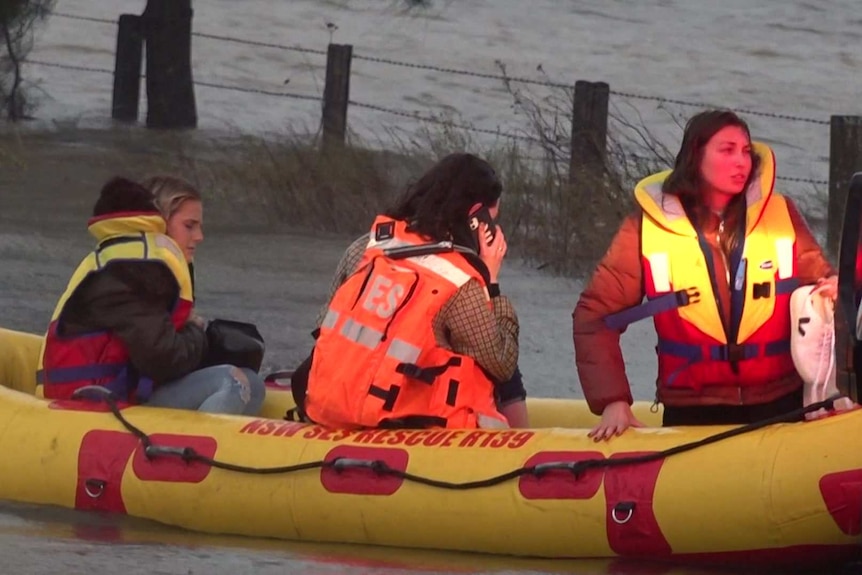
(181, 206)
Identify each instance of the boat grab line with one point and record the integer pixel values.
(379, 467)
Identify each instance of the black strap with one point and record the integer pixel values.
(389, 396)
(426, 374)
(402, 252)
(413, 422)
(294, 414)
(298, 387)
(118, 240)
(452, 392)
(738, 273)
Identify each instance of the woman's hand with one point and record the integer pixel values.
(828, 287)
(616, 418)
(492, 253)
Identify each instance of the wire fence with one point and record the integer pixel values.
(413, 115)
(471, 73)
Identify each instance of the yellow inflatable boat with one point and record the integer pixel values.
(782, 494)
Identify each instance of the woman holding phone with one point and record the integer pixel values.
(460, 334)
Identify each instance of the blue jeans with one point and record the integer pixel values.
(215, 389)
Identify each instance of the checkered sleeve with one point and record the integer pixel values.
(348, 264)
(489, 335)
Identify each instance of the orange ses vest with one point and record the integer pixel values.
(694, 347)
(70, 362)
(377, 362)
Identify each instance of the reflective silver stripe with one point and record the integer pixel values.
(433, 263)
(361, 334)
(403, 351)
(784, 250)
(389, 243)
(659, 265)
(443, 268)
(330, 319)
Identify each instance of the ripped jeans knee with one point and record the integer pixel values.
(250, 386)
(216, 389)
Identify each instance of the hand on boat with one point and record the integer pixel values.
(616, 418)
(828, 287)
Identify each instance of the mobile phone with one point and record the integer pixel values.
(480, 214)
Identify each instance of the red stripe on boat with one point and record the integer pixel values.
(842, 493)
(363, 480)
(632, 526)
(102, 459)
(172, 468)
(561, 483)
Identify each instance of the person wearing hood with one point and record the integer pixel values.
(125, 320)
(715, 253)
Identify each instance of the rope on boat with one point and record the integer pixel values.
(576, 468)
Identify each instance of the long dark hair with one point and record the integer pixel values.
(686, 182)
(437, 205)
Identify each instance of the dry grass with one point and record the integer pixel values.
(555, 222)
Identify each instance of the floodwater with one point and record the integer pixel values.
(783, 61)
(794, 58)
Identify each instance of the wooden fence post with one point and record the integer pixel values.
(127, 69)
(336, 94)
(589, 130)
(170, 91)
(845, 159)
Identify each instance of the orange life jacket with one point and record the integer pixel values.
(377, 362)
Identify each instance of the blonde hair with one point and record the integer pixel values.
(169, 192)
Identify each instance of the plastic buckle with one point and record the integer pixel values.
(732, 352)
(687, 296)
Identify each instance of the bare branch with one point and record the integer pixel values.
(17, 21)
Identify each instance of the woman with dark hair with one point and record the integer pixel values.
(416, 333)
(717, 253)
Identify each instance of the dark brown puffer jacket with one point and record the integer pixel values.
(134, 301)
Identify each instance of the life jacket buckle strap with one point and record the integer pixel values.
(426, 375)
(413, 371)
(659, 304)
(734, 353)
(687, 296)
